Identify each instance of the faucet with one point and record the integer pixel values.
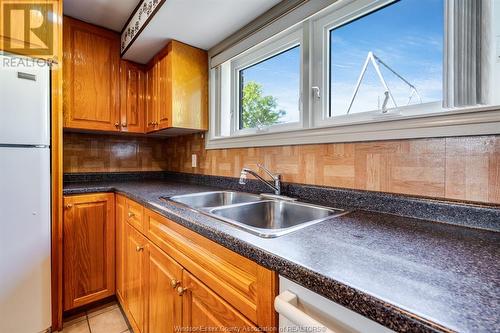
(276, 178)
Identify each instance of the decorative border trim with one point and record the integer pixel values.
(139, 19)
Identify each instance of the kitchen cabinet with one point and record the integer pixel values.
(132, 97)
(136, 253)
(177, 89)
(91, 64)
(151, 118)
(88, 249)
(120, 245)
(201, 307)
(164, 302)
(174, 277)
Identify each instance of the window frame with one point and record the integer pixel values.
(414, 121)
(286, 41)
(334, 17)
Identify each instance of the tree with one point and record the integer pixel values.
(258, 110)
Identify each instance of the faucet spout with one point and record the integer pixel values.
(275, 185)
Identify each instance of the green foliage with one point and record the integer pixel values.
(259, 110)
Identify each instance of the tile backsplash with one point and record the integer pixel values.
(112, 153)
(465, 168)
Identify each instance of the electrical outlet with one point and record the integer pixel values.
(194, 162)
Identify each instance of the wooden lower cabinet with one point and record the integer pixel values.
(135, 275)
(164, 303)
(163, 290)
(201, 307)
(88, 249)
(120, 246)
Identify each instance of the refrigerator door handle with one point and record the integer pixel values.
(26, 76)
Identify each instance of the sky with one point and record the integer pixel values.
(407, 35)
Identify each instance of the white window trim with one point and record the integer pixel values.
(289, 39)
(430, 121)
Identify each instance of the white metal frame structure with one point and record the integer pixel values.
(374, 60)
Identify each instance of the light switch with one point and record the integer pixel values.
(194, 161)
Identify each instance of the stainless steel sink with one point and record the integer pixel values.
(214, 199)
(273, 218)
(258, 215)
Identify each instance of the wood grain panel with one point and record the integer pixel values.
(164, 304)
(89, 249)
(202, 308)
(249, 287)
(132, 97)
(136, 254)
(189, 86)
(91, 77)
(120, 240)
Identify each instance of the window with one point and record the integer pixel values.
(270, 91)
(390, 58)
(360, 70)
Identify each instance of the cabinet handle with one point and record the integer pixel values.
(130, 215)
(117, 124)
(124, 124)
(174, 283)
(180, 290)
(139, 248)
(69, 206)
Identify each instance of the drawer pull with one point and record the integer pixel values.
(139, 248)
(180, 290)
(174, 283)
(130, 215)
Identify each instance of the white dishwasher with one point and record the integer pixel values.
(303, 311)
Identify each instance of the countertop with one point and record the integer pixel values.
(408, 274)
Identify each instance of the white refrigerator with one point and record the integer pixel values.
(25, 275)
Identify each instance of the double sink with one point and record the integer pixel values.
(257, 214)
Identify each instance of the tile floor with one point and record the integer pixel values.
(107, 318)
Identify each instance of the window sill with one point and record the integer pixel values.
(461, 122)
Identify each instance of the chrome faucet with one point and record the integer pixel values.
(275, 184)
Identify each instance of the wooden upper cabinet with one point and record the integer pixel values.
(178, 91)
(89, 249)
(91, 77)
(132, 97)
(150, 113)
(201, 307)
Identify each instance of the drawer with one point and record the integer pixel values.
(134, 214)
(247, 286)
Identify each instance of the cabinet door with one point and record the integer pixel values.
(165, 305)
(136, 253)
(151, 118)
(164, 90)
(120, 248)
(132, 100)
(91, 77)
(89, 248)
(201, 307)
(188, 86)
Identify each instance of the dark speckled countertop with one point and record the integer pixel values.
(408, 274)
